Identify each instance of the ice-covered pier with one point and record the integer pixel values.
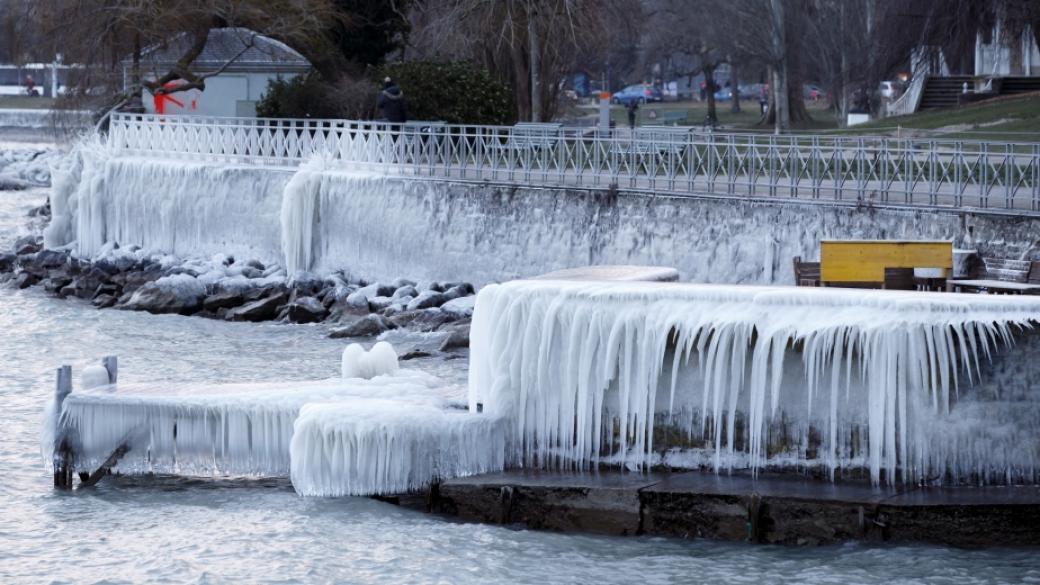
(899, 387)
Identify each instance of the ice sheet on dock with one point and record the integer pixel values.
(383, 447)
(619, 273)
(835, 377)
(208, 429)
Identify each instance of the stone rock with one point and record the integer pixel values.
(265, 292)
(69, 290)
(26, 279)
(250, 272)
(28, 245)
(87, 284)
(461, 307)
(376, 304)
(377, 290)
(260, 310)
(356, 304)
(107, 289)
(406, 291)
(48, 259)
(132, 281)
(366, 326)
(400, 282)
(414, 354)
(426, 300)
(258, 265)
(458, 337)
(434, 286)
(467, 287)
(55, 284)
(103, 301)
(182, 296)
(421, 320)
(454, 292)
(394, 309)
(7, 262)
(306, 310)
(306, 283)
(223, 300)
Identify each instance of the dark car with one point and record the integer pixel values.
(639, 94)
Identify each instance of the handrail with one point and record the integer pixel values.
(861, 170)
(911, 98)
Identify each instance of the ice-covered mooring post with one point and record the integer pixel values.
(63, 456)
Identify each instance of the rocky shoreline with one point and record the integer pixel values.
(234, 290)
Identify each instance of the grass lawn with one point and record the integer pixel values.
(24, 102)
(747, 119)
(1012, 118)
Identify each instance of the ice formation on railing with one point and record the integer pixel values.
(237, 429)
(381, 446)
(848, 379)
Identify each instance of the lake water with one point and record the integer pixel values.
(162, 530)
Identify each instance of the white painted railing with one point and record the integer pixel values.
(911, 98)
(665, 160)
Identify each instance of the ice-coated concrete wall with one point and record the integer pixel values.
(381, 227)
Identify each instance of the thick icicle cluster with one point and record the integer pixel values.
(381, 446)
(881, 380)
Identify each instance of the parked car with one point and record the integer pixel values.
(639, 94)
(889, 90)
(813, 93)
(726, 94)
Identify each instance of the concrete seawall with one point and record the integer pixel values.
(380, 227)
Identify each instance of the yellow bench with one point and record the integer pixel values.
(865, 261)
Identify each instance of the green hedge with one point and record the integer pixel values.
(453, 92)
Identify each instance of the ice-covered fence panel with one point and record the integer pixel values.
(762, 376)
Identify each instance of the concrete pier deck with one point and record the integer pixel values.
(767, 509)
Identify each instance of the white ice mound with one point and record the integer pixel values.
(378, 361)
(384, 447)
(93, 377)
(840, 379)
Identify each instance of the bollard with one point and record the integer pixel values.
(62, 455)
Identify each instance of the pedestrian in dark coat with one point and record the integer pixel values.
(392, 104)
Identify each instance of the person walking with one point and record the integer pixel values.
(632, 107)
(392, 104)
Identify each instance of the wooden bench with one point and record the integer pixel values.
(661, 140)
(1001, 276)
(534, 135)
(806, 273)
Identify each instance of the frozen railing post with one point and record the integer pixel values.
(62, 453)
(111, 364)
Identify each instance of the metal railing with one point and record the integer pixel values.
(676, 161)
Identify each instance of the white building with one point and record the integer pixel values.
(995, 56)
(251, 60)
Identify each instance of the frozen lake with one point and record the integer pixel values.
(175, 530)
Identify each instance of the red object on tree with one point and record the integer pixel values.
(160, 99)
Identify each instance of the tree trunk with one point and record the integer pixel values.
(709, 91)
(779, 112)
(535, 65)
(734, 86)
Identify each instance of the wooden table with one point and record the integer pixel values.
(1003, 286)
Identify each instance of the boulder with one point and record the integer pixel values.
(224, 300)
(421, 320)
(28, 245)
(68, 290)
(376, 304)
(51, 258)
(405, 292)
(306, 310)
(458, 337)
(250, 272)
(107, 289)
(461, 307)
(266, 292)
(467, 287)
(399, 282)
(366, 326)
(103, 301)
(132, 281)
(55, 284)
(180, 294)
(306, 284)
(7, 262)
(356, 304)
(427, 299)
(454, 292)
(254, 263)
(260, 310)
(26, 279)
(377, 289)
(414, 354)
